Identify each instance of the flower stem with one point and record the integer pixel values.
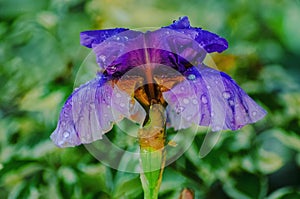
(152, 156)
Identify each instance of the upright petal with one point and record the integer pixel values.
(209, 41)
(216, 101)
(93, 37)
(90, 112)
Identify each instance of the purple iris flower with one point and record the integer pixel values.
(165, 66)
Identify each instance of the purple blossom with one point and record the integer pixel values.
(164, 66)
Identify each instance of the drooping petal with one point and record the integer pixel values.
(91, 111)
(209, 41)
(215, 97)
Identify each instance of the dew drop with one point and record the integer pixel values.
(217, 128)
(125, 38)
(108, 106)
(117, 38)
(195, 101)
(66, 134)
(231, 102)
(182, 88)
(192, 77)
(189, 118)
(112, 68)
(212, 113)
(122, 104)
(226, 94)
(102, 58)
(179, 109)
(92, 105)
(118, 95)
(63, 123)
(186, 101)
(204, 99)
(254, 113)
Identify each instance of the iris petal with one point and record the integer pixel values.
(209, 41)
(93, 37)
(210, 98)
(91, 111)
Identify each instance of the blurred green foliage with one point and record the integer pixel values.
(40, 55)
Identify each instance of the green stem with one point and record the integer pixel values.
(152, 156)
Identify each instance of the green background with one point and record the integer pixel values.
(40, 55)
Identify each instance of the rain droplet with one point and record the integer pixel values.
(226, 94)
(122, 104)
(254, 113)
(66, 134)
(189, 117)
(186, 101)
(212, 113)
(125, 38)
(92, 105)
(195, 101)
(63, 123)
(112, 68)
(217, 128)
(102, 58)
(204, 99)
(179, 109)
(182, 88)
(231, 102)
(192, 77)
(118, 95)
(108, 106)
(208, 87)
(117, 38)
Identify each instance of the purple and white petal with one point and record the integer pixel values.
(90, 112)
(94, 37)
(215, 97)
(209, 41)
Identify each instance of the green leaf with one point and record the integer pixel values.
(244, 185)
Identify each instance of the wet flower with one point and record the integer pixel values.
(140, 69)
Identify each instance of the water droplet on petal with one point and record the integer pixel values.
(118, 95)
(125, 38)
(189, 117)
(122, 104)
(66, 134)
(108, 106)
(231, 102)
(186, 101)
(117, 38)
(105, 115)
(192, 77)
(182, 88)
(212, 113)
(195, 101)
(112, 68)
(254, 113)
(92, 105)
(217, 128)
(204, 99)
(226, 94)
(63, 123)
(102, 58)
(179, 109)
